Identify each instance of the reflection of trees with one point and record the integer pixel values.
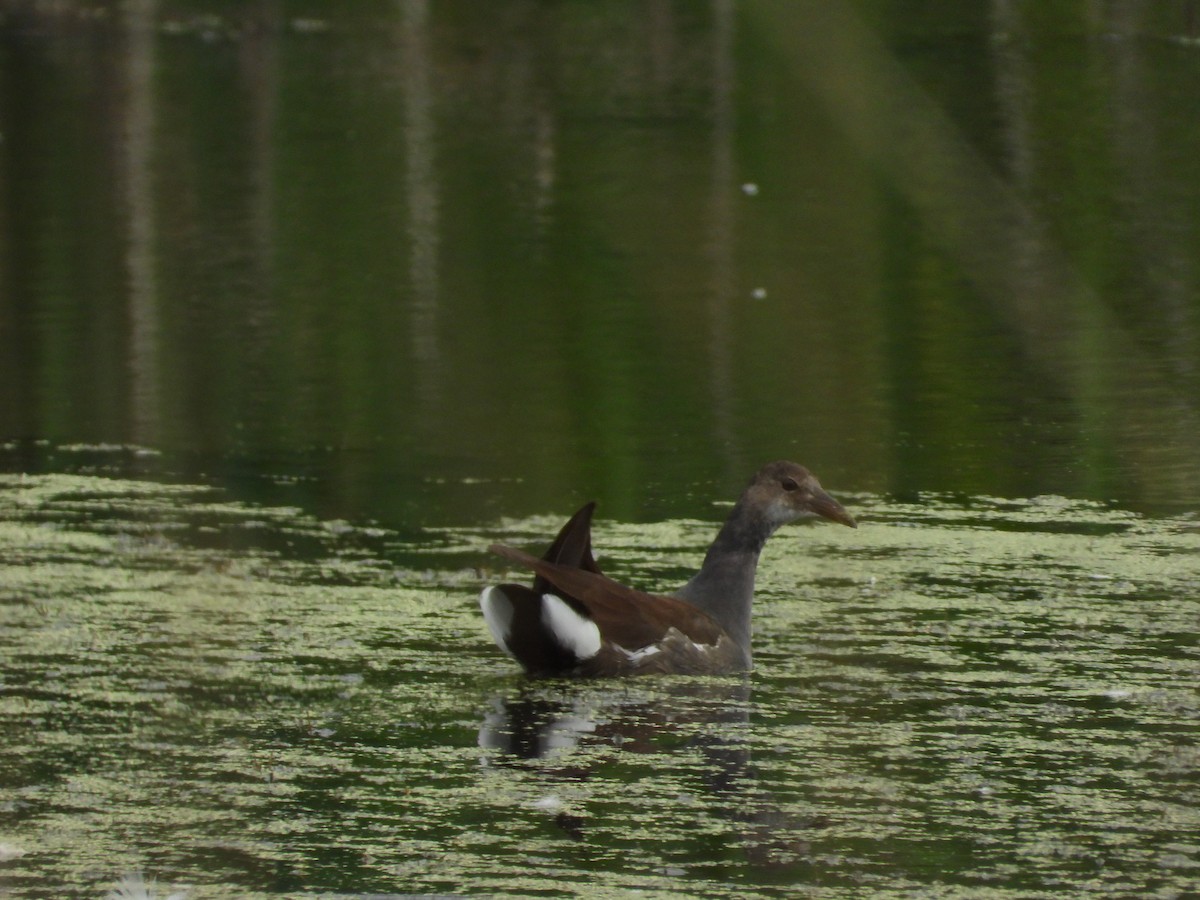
(139, 191)
(332, 236)
(421, 189)
(995, 222)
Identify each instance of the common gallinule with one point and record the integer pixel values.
(575, 620)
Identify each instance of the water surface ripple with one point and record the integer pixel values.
(969, 697)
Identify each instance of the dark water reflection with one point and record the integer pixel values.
(550, 249)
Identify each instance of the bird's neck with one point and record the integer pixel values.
(724, 586)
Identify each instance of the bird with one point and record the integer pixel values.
(575, 621)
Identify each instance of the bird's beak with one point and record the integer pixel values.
(825, 506)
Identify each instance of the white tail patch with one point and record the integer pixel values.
(575, 633)
(498, 613)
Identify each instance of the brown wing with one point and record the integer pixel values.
(633, 619)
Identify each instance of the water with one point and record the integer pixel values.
(967, 696)
(298, 313)
(406, 243)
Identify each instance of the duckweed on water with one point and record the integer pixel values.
(978, 698)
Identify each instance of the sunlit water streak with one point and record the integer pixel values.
(971, 696)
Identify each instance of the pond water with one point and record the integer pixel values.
(302, 308)
(964, 697)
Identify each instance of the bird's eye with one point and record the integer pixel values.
(789, 484)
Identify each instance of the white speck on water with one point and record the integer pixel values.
(759, 293)
(750, 189)
(310, 26)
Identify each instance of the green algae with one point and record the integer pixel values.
(976, 698)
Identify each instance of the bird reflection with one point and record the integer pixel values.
(566, 733)
(533, 727)
(540, 722)
(555, 725)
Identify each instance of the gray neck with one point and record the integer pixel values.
(724, 586)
